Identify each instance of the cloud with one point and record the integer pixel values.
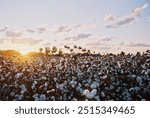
(139, 10)
(96, 43)
(30, 30)
(86, 26)
(99, 42)
(106, 39)
(63, 29)
(122, 44)
(22, 41)
(109, 17)
(42, 29)
(47, 44)
(119, 21)
(2, 40)
(138, 45)
(101, 48)
(78, 37)
(11, 33)
(3, 29)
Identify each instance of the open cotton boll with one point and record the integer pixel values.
(18, 75)
(103, 94)
(94, 92)
(89, 96)
(97, 98)
(12, 94)
(93, 86)
(104, 77)
(42, 97)
(33, 85)
(44, 71)
(60, 86)
(53, 98)
(36, 97)
(44, 78)
(22, 86)
(86, 91)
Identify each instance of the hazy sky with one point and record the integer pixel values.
(101, 25)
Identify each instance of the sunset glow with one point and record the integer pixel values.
(98, 25)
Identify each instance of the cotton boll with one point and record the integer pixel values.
(20, 97)
(111, 87)
(44, 78)
(55, 79)
(44, 71)
(103, 94)
(93, 86)
(42, 97)
(18, 75)
(73, 86)
(94, 92)
(12, 94)
(74, 99)
(46, 85)
(97, 98)
(86, 85)
(86, 91)
(89, 96)
(104, 77)
(33, 85)
(23, 88)
(53, 98)
(133, 76)
(36, 97)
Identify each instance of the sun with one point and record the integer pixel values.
(25, 49)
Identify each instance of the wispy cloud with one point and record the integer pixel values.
(30, 30)
(3, 29)
(22, 41)
(46, 44)
(11, 33)
(96, 43)
(139, 10)
(107, 39)
(42, 29)
(99, 42)
(138, 45)
(63, 29)
(115, 22)
(86, 26)
(109, 17)
(78, 37)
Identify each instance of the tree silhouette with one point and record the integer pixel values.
(41, 49)
(47, 51)
(60, 52)
(54, 49)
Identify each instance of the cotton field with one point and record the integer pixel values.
(76, 78)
